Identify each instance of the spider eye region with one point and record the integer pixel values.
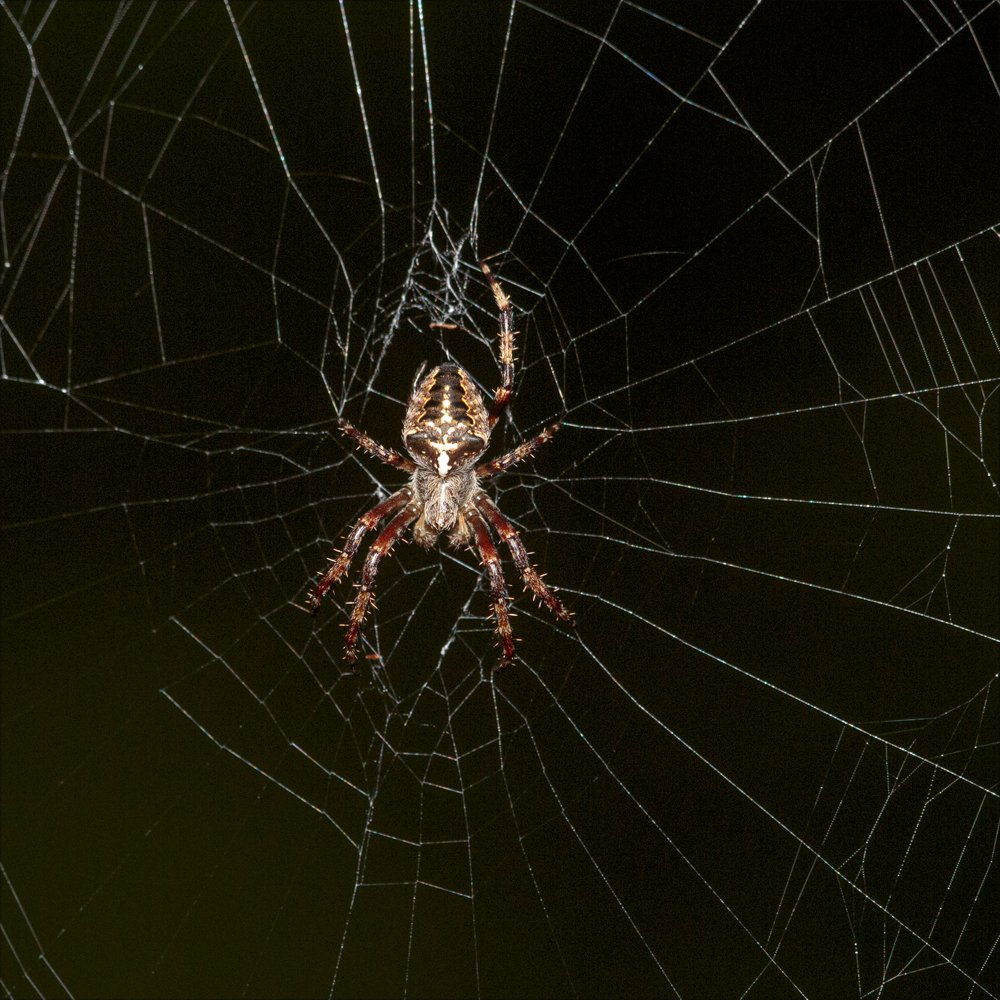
(441, 509)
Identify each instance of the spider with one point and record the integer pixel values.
(446, 429)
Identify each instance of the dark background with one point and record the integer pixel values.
(751, 254)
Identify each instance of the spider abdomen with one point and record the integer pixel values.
(447, 425)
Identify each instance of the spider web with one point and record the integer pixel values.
(753, 254)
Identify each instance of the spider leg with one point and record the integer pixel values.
(498, 587)
(377, 450)
(518, 454)
(532, 578)
(364, 523)
(502, 396)
(366, 594)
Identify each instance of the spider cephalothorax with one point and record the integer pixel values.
(446, 428)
